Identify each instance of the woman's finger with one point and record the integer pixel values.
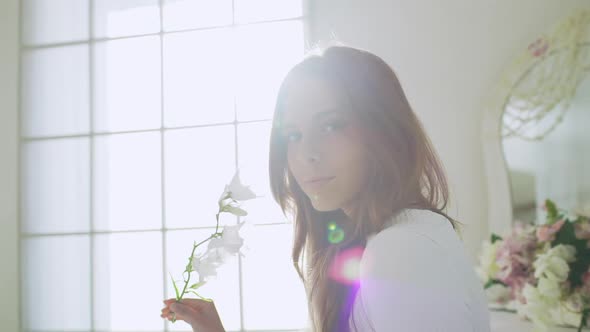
(172, 316)
(183, 312)
(166, 313)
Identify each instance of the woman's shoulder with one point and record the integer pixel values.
(409, 224)
(416, 245)
(418, 218)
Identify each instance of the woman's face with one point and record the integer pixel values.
(324, 147)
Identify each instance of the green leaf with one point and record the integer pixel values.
(175, 288)
(198, 284)
(566, 235)
(492, 282)
(197, 294)
(235, 210)
(495, 238)
(552, 213)
(189, 265)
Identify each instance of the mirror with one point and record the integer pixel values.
(556, 167)
(545, 123)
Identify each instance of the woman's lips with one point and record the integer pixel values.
(318, 178)
(317, 183)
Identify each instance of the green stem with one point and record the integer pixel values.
(189, 274)
(217, 218)
(216, 234)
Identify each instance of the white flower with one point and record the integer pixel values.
(237, 190)
(570, 318)
(565, 251)
(218, 251)
(488, 268)
(498, 293)
(536, 307)
(550, 289)
(575, 302)
(229, 243)
(206, 265)
(553, 264)
(231, 239)
(562, 314)
(531, 293)
(221, 245)
(216, 248)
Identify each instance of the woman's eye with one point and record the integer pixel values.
(333, 125)
(326, 127)
(292, 137)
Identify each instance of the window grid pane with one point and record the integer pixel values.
(56, 299)
(100, 22)
(55, 198)
(55, 91)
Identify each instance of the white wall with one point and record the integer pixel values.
(9, 302)
(448, 54)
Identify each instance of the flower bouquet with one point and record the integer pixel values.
(541, 272)
(221, 244)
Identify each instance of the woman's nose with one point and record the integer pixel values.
(310, 152)
(312, 158)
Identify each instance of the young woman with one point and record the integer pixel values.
(351, 163)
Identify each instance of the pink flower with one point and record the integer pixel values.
(584, 289)
(547, 233)
(515, 259)
(538, 47)
(582, 230)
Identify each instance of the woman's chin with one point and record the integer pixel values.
(323, 206)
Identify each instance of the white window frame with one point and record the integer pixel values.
(11, 300)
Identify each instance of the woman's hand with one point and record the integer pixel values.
(201, 315)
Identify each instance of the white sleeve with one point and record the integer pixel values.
(406, 285)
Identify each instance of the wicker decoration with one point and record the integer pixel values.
(544, 78)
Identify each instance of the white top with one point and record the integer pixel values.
(415, 276)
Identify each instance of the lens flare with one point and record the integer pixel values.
(336, 236)
(335, 233)
(345, 267)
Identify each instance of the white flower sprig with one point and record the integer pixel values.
(222, 244)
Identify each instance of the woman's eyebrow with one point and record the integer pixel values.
(324, 114)
(316, 116)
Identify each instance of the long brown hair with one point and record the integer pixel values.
(406, 173)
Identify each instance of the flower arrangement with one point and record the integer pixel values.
(541, 272)
(222, 244)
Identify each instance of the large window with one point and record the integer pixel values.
(134, 115)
